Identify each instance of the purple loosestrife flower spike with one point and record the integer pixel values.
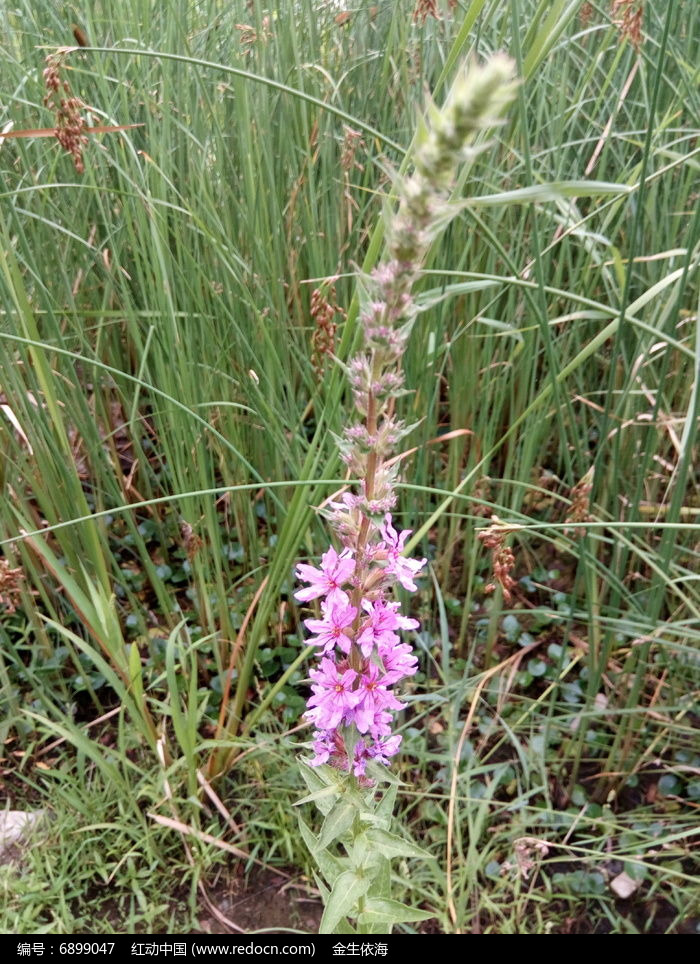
(362, 654)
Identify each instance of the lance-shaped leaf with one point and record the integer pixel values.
(329, 865)
(135, 677)
(380, 889)
(337, 822)
(323, 789)
(548, 192)
(322, 889)
(392, 846)
(315, 777)
(380, 773)
(322, 798)
(379, 910)
(347, 891)
(385, 808)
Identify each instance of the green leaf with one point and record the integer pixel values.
(185, 738)
(380, 910)
(536, 667)
(337, 822)
(385, 808)
(380, 773)
(511, 627)
(549, 192)
(323, 795)
(380, 889)
(315, 777)
(669, 783)
(360, 854)
(694, 790)
(329, 865)
(322, 784)
(309, 837)
(392, 846)
(322, 889)
(429, 299)
(135, 677)
(347, 890)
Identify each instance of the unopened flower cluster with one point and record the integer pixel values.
(362, 656)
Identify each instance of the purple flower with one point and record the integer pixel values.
(398, 661)
(381, 725)
(361, 758)
(379, 628)
(329, 747)
(333, 698)
(363, 697)
(383, 749)
(380, 751)
(323, 747)
(404, 570)
(376, 697)
(328, 632)
(326, 581)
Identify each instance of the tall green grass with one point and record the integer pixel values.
(156, 361)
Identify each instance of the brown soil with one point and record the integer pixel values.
(266, 901)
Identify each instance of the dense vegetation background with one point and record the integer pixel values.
(169, 405)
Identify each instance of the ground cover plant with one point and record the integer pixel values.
(179, 264)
